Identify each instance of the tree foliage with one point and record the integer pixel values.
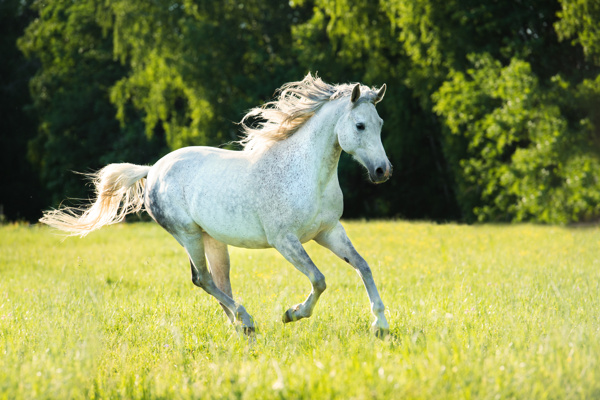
(77, 130)
(196, 66)
(524, 159)
(20, 193)
(579, 22)
(491, 112)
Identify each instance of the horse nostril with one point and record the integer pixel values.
(379, 172)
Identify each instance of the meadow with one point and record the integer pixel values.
(476, 312)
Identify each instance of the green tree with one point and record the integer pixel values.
(21, 195)
(493, 72)
(77, 128)
(525, 159)
(196, 66)
(579, 22)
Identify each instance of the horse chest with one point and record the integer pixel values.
(302, 207)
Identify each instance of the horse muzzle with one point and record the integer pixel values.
(380, 173)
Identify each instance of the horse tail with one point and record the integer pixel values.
(119, 191)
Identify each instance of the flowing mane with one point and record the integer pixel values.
(295, 104)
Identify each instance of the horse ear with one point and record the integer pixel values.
(355, 93)
(380, 94)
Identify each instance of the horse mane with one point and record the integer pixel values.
(295, 104)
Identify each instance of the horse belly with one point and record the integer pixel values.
(235, 230)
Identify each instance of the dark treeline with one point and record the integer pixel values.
(491, 112)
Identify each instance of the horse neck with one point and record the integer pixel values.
(317, 141)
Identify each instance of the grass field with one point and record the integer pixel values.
(476, 312)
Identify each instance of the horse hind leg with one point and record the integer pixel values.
(219, 265)
(201, 277)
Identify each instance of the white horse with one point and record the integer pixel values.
(281, 191)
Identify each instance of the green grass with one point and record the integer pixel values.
(481, 312)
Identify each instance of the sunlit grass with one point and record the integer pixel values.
(478, 312)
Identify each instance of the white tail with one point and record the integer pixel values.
(119, 191)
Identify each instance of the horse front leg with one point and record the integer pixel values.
(290, 247)
(338, 242)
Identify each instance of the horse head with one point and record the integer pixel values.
(359, 133)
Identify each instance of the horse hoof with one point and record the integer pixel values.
(381, 333)
(288, 317)
(249, 330)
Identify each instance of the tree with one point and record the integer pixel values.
(22, 195)
(197, 66)
(578, 20)
(525, 159)
(77, 128)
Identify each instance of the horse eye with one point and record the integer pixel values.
(360, 126)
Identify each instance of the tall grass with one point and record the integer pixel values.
(480, 312)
